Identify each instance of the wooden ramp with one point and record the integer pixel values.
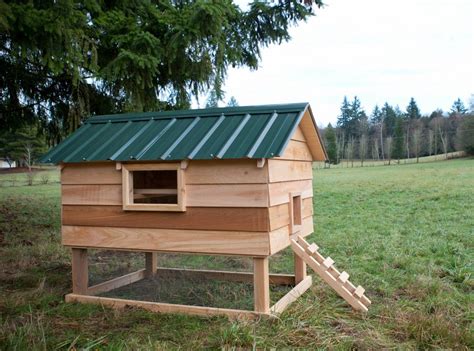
(325, 269)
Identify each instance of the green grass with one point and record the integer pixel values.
(404, 232)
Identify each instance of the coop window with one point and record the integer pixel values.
(295, 212)
(153, 187)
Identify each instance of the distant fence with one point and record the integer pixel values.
(373, 163)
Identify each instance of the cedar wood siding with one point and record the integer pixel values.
(232, 207)
(292, 172)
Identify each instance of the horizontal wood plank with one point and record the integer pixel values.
(296, 150)
(286, 170)
(280, 238)
(227, 195)
(199, 218)
(91, 173)
(116, 282)
(244, 277)
(197, 172)
(279, 192)
(167, 307)
(91, 194)
(170, 240)
(205, 195)
(225, 172)
(279, 216)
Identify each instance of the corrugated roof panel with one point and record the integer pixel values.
(187, 145)
(227, 133)
(245, 140)
(158, 149)
(210, 149)
(279, 132)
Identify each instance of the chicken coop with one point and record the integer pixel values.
(222, 181)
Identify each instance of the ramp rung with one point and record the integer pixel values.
(328, 262)
(359, 291)
(312, 248)
(338, 281)
(343, 277)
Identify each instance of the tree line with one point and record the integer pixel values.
(390, 133)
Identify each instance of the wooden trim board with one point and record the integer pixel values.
(167, 307)
(170, 240)
(195, 218)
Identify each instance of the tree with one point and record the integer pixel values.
(398, 141)
(458, 108)
(416, 138)
(378, 118)
(389, 117)
(388, 148)
(413, 112)
(232, 102)
(363, 146)
(467, 134)
(331, 144)
(62, 61)
(212, 100)
(344, 118)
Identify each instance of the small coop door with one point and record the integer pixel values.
(296, 209)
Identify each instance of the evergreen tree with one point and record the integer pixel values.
(376, 116)
(331, 144)
(413, 112)
(398, 140)
(212, 100)
(467, 134)
(232, 102)
(344, 118)
(389, 117)
(458, 108)
(62, 61)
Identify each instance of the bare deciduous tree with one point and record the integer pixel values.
(388, 148)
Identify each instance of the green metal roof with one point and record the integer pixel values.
(215, 133)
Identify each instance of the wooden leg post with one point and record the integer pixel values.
(80, 272)
(151, 264)
(300, 269)
(261, 285)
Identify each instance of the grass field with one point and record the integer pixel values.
(405, 233)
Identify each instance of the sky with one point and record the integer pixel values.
(379, 50)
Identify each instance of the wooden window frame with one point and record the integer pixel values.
(296, 203)
(127, 187)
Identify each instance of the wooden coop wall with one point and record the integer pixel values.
(292, 173)
(226, 211)
(233, 207)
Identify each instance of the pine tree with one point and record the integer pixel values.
(212, 100)
(458, 108)
(413, 112)
(398, 140)
(376, 116)
(389, 117)
(331, 144)
(232, 102)
(344, 118)
(62, 61)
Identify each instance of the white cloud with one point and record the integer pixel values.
(378, 50)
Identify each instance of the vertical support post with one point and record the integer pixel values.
(261, 285)
(151, 264)
(80, 271)
(300, 269)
